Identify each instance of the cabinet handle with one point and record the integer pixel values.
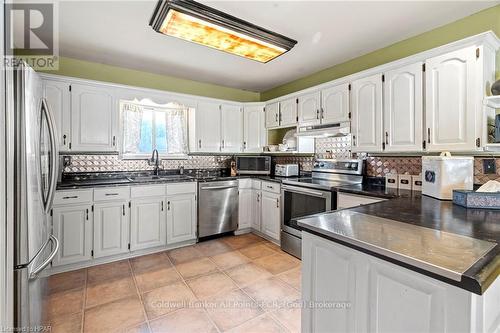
(222, 144)
(269, 186)
(168, 205)
(114, 140)
(280, 117)
(276, 117)
(64, 139)
(162, 206)
(317, 114)
(258, 197)
(244, 145)
(386, 138)
(428, 134)
(199, 143)
(123, 209)
(87, 214)
(354, 140)
(109, 194)
(322, 113)
(277, 203)
(71, 197)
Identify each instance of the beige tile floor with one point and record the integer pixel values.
(237, 284)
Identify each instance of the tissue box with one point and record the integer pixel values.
(471, 199)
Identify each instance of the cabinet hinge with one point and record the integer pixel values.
(91, 253)
(383, 145)
(92, 208)
(349, 87)
(383, 78)
(423, 67)
(297, 118)
(128, 246)
(264, 109)
(297, 100)
(478, 142)
(129, 204)
(424, 144)
(51, 212)
(70, 87)
(69, 145)
(477, 53)
(350, 115)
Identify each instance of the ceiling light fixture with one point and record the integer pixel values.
(195, 22)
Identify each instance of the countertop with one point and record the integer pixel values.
(422, 211)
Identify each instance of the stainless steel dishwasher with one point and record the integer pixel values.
(217, 207)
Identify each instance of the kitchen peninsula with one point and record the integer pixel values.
(411, 263)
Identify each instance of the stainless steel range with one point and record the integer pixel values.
(307, 196)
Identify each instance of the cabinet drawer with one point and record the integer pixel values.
(73, 197)
(271, 187)
(112, 193)
(256, 184)
(245, 183)
(181, 188)
(147, 191)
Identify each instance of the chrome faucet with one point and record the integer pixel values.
(155, 159)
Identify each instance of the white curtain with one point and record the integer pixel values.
(176, 122)
(132, 119)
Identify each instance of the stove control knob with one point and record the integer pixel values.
(347, 165)
(316, 164)
(321, 165)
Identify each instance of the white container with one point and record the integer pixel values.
(445, 173)
(404, 182)
(391, 181)
(416, 183)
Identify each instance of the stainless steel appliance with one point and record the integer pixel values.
(312, 195)
(36, 161)
(286, 170)
(253, 165)
(217, 207)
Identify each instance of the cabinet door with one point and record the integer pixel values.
(58, 97)
(232, 128)
(309, 108)
(111, 228)
(288, 112)
(272, 115)
(257, 209)
(181, 218)
(208, 127)
(93, 118)
(271, 214)
(72, 225)
(366, 125)
(148, 223)
(403, 99)
(335, 104)
(254, 131)
(246, 208)
(450, 101)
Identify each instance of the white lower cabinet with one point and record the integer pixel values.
(111, 228)
(148, 223)
(245, 209)
(181, 218)
(270, 214)
(72, 226)
(257, 208)
(356, 292)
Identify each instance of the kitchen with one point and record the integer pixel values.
(172, 187)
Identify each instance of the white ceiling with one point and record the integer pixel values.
(328, 33)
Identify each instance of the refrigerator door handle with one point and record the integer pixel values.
(55, 242)
(55, 155)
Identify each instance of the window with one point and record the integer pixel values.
(147, 126)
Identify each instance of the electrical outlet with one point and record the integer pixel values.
(66, 161)
(489, 166)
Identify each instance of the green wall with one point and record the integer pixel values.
(488, 19)
(101, 72)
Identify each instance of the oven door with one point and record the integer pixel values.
(301, 201)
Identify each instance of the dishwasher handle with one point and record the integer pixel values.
(219, 187)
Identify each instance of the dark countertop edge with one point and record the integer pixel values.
(467, 283)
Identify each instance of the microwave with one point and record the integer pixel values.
(253, 165)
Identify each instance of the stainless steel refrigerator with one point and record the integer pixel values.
(35, 159)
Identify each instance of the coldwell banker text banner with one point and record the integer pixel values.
(32, 34)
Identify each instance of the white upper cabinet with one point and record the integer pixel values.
(366, 125)
(254, 133)
(58, 97)
(272, 115)
(232, 128)
(309, 108)
(93, 118)
(450, 93)
(208, 127)
(403, 109)
(288, 112)
(335, 104)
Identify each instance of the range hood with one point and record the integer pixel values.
(325, 131)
